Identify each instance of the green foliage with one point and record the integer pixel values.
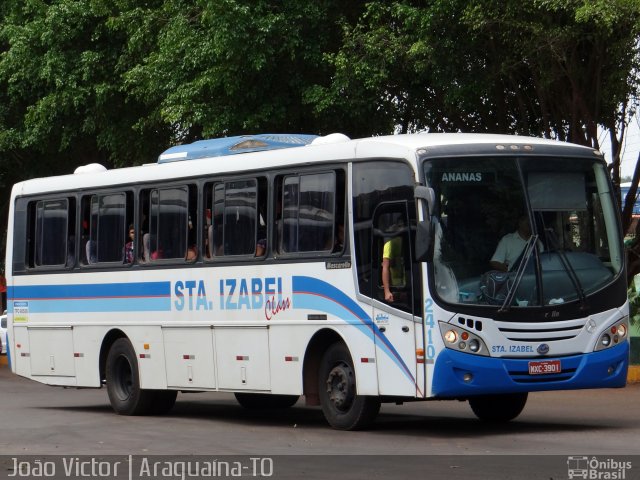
(634, 306)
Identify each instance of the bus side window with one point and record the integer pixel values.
(232, 214)
(51, 233)
(308, 213)
(104, 230)
(168, 223)
(240, 214)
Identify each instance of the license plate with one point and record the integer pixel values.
(544, 367)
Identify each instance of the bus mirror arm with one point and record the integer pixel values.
(427, 195)
(424, 228)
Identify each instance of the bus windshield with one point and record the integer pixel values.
(522, 232)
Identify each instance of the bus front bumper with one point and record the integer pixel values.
(459, 374)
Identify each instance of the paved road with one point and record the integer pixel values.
(445, 436)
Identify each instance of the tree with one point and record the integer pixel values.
(231, 67)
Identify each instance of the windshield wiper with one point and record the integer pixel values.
(529, 248)
(551, 235)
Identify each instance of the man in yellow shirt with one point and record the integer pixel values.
(392, 267)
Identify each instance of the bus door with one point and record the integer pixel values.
(395, 302)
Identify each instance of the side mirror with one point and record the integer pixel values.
(424, 230)
(423, 241)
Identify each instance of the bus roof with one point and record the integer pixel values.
(332, 148)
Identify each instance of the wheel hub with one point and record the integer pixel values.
(341, 387)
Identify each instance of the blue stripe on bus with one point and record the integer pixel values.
(95, 290)
(313, 294)
(99, 297)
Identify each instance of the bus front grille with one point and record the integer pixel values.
(541, 332)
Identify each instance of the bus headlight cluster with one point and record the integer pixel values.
(614, 335)
(457, 338)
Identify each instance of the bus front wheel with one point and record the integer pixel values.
(123, 381)
(498, 408)
(343, 408)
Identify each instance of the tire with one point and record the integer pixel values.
(256, 401)
(342, 407)
(498, 408)
(123, 381)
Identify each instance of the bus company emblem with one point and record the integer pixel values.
(543, 349)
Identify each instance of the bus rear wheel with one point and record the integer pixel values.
(343, 408)
(498, 408)
(123, 381)
(255, 401)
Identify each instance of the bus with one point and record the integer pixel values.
(624, 190)
(256, 265)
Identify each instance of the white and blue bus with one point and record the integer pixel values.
(256, 265)
(624, 190)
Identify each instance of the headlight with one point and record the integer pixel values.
(459, 339)
(614, 335)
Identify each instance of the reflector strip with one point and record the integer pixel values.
(188, 357)
(24, 354)
(290, 359)
(242, 357)
(145, 355)
(78, 355)
(368, 360)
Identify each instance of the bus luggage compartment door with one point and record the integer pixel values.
(242, 357)
(189, 357)
(51, 351)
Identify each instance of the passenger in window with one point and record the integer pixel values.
(128, 247)
(261, 244)
(192, 253)
(146, 247)
(87, 247)
(393, 274)
(192, 249)
(261, 247)
(158, 253)
(214, 235)
(91, 251)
